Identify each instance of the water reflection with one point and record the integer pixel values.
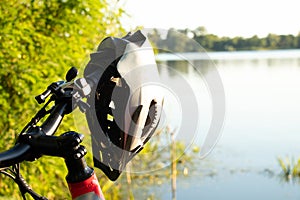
(186, 67)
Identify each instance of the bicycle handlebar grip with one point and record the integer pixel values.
(42, 97)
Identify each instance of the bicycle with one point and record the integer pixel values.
(117, 138)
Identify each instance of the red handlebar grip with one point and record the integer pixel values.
(88, 187)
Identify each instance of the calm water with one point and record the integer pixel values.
(262, 123)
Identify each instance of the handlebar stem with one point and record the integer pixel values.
(82, 181)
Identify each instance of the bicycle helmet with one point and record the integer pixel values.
(125, 102)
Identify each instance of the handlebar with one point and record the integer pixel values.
(62, 93)
(22, 151)
(35, 141)
(15, 155)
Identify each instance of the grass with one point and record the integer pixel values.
(290, 168)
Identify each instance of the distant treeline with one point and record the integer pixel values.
(184, 41)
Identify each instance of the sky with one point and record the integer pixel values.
(221, 17)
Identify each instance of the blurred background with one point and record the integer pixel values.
(254, 46)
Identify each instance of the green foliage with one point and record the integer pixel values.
(39, 41)
(178, 40)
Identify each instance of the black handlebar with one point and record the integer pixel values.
(22, 151)
(15, 155)
(35, 141)
(65, 102)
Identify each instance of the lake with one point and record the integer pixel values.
(262, 115)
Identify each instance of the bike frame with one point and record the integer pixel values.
(35, 141)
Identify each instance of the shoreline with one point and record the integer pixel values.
(230, 55)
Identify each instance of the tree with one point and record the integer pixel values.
(201, 30)
(298, 40)
(39, 41)
(176, 41)
(287, 42)
(272, 41)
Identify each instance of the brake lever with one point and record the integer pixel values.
(56, 87)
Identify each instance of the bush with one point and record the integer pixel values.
(39, 41)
